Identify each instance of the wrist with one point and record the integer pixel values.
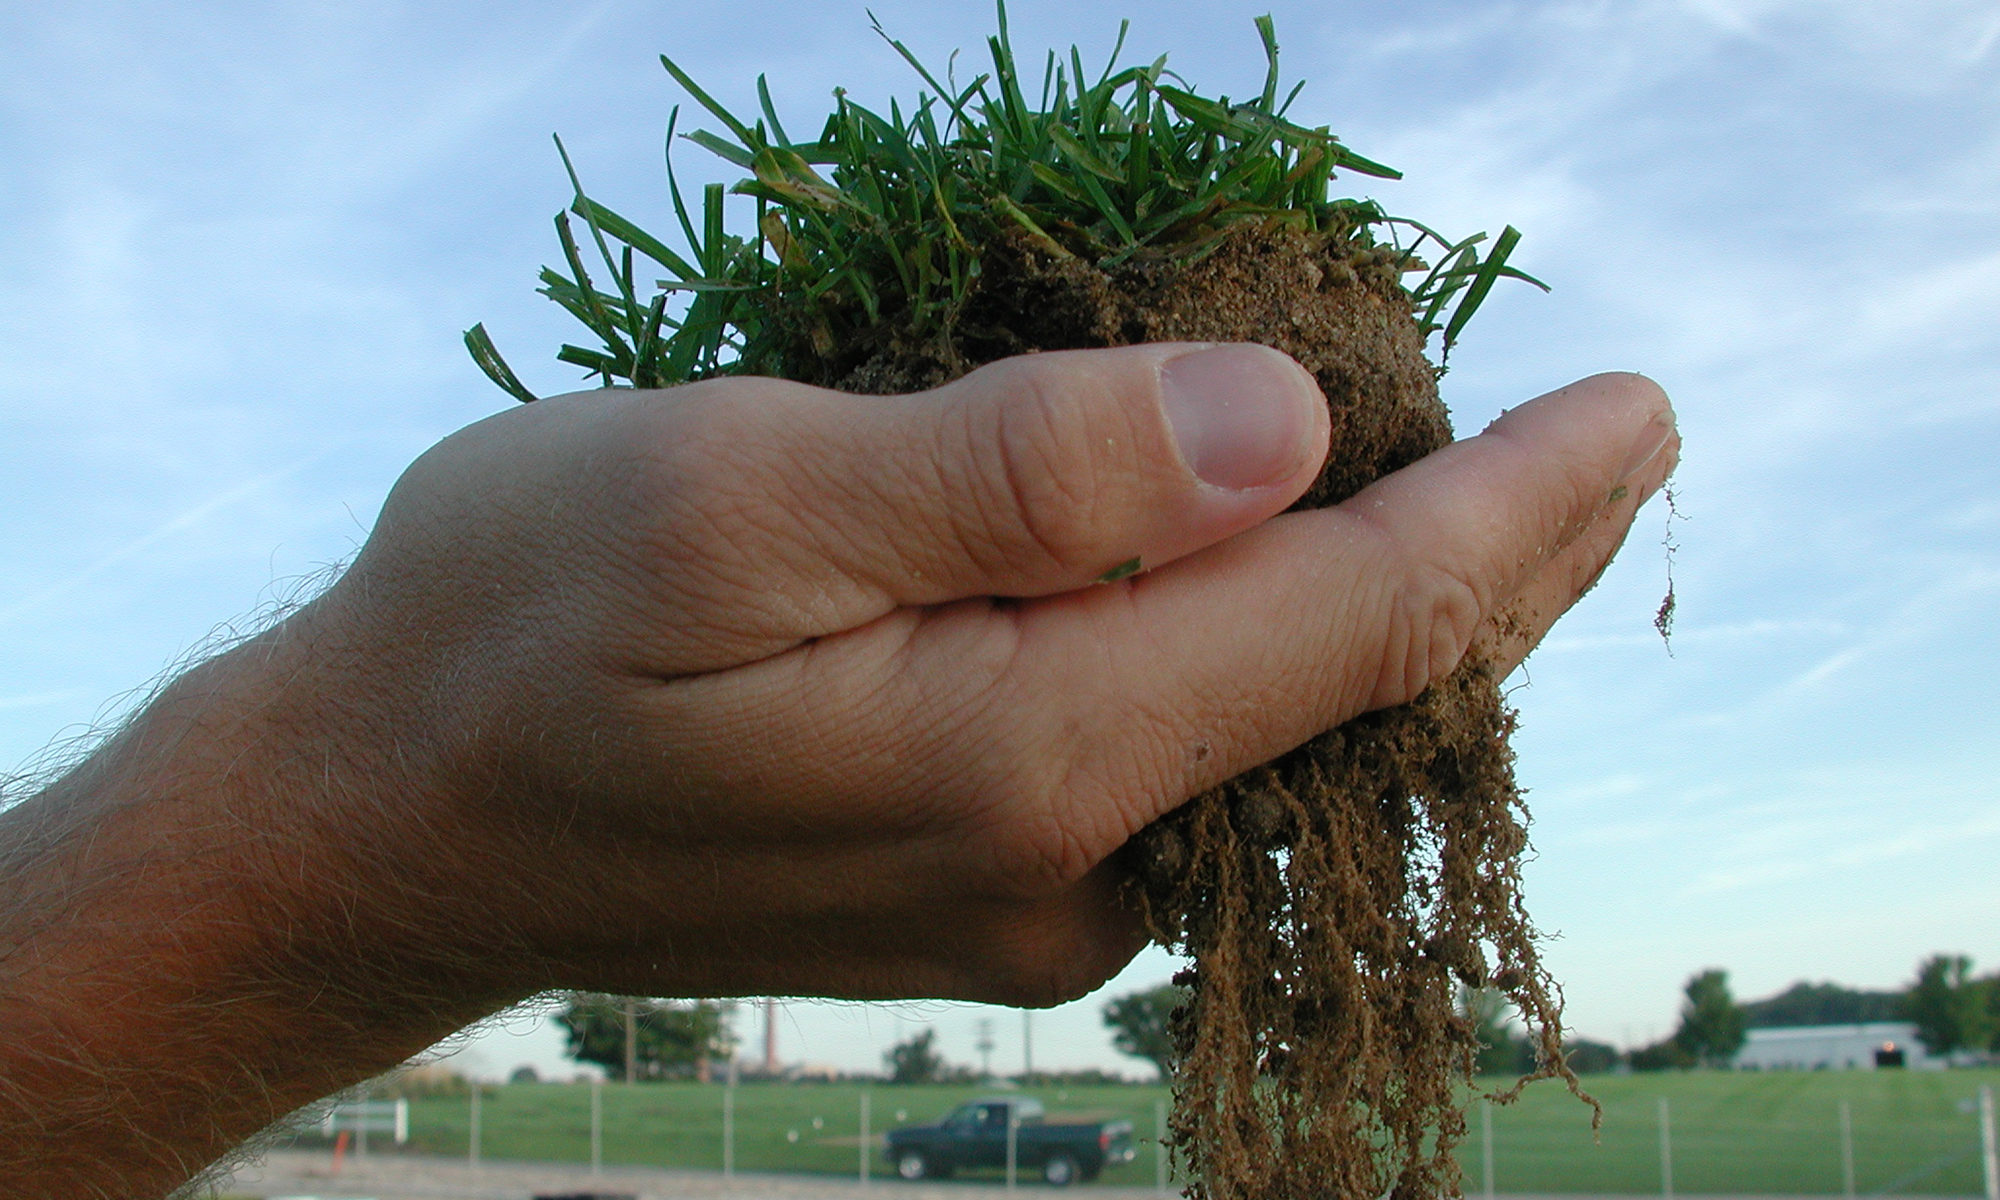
(201, 927)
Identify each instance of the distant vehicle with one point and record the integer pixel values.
(975, 1135)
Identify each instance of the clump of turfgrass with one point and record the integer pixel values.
(1337, 900)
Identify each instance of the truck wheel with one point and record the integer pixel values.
(912, 1165)
(1060, 1170)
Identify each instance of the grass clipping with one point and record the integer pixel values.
(1340, 903)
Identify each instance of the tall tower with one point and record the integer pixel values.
(771, 1036)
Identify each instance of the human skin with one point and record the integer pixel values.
(745, 688)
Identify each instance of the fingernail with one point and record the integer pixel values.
(1652, 439)
(1241, 415)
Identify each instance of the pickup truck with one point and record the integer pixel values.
(976, 1135)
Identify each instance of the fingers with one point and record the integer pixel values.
(1055, 729)
(1525, 516)
(1031, 476)
(1040, 474)
(1239, 653)
(1519, 624)
(999, 752)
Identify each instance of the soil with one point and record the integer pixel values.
(1335, 901)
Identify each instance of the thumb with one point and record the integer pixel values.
(1043, 473)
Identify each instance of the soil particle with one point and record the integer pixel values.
(1336, 900)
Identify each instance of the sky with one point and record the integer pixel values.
(241, 242)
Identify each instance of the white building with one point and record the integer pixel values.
(1834, 1047)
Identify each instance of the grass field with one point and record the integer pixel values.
(1731, 1133)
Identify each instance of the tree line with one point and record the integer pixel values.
(1957, 1015)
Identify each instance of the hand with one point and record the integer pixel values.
(745, 688)
(748, 688)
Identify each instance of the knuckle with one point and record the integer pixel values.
(1430, 619)
(1038, 496)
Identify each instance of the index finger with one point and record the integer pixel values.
(1179, 679)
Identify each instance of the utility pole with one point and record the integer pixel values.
(985, 1048)
(1027, 1044)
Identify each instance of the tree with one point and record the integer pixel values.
(1823, 1004)
(1501, 1050)
(1711, 1029)
(916, 1060)
(1139, 1024)
(673, 1039)
(1990, 985)
(1950, 1007)
(1590, 1058)
(1667, 1055)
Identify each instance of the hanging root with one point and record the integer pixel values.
(1334, 903)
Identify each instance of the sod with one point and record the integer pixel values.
(1337, 900)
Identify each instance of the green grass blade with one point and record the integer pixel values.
(956, 101)
(771, 112)
(633, 236)
(1082, 156)
(742, 132)
(1111, 64)
(1269, 33)
(674, 191)
(1286, 107)
(721, 149)
(1016, 214)
(1362, 166)
(624, 277)
(1482, 283)
(487, 356)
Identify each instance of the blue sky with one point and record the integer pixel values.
(241, 242)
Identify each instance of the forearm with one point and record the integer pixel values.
(187, 949)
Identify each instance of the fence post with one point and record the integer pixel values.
(1987, 1145)
(1486, 1145)
(1666, 1153)
(864, 1137)
(729, 1122)
(472, 1139)
(1846, 1150)
(1160, 1145)
(596, 1126)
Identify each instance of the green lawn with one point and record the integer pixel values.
(1744, 1133)
(791, 1127)
(1732, 1133)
